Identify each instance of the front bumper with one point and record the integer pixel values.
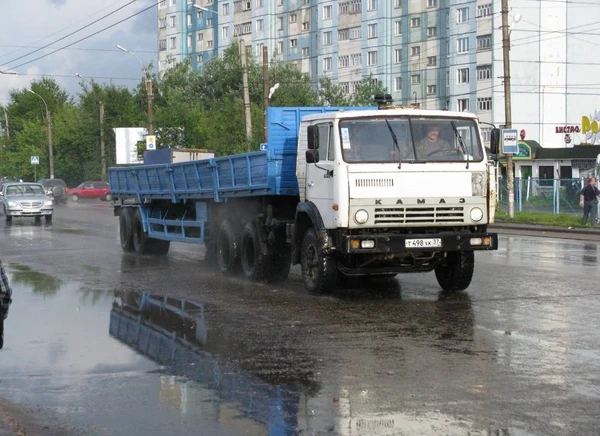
(18, 212)
(395, 244)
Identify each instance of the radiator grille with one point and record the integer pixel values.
(374, 183)
(423, 215)
(31, 204)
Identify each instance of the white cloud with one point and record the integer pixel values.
(28, 25)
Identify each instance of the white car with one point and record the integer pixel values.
(25, 200)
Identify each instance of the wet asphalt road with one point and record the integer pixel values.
(94, 346)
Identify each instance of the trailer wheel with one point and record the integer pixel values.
(227, 247)
(142, 244)
(254, 263)
(454, 273)
(319, 270)
(126, 228)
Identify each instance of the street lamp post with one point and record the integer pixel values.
(49, 133)
(148, 86)
(507, 103)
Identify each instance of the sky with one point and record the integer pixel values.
(29, 25)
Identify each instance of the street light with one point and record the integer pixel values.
(101, 114)
(507, 102)
(148, 86)
(49, 133)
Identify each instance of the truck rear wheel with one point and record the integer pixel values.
(227, 247)
(254, 263)
(319, 270)
(126, 228)
(454, 273)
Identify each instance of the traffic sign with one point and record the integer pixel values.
(510, 142)
(35, 160)
(150, 142)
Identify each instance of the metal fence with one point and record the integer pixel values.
(542, 195)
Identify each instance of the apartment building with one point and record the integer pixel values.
(441, 54)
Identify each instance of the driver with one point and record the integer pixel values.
(431, 142)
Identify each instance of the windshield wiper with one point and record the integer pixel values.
(395, 139)
(461, 142)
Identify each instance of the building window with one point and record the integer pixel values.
(246, 5)
(462, 15)
(397, 55)
(484, 104)
(486, 133)
(326, 64)
(415, 22)
(415, 79)
(344, 61)
(225, 9)
(462, 45)
(260, 25)
(431, 32)
(398, 27)
(432, 3)
(279, 23)
(189, 19)
(305, 26)
(327, 38)
(293, 42)
(172, 20)
(162, 4)
(279, 2)
(484, 42)
(209, 44)
(259, 4)
(162, 23)
(356, 59)
(280, 47)
(415, 50)
(372, 5)
(372, 31)
(484, 10)
(431, 89)
(397, 4)
(209, 22)
(200, 37)
(293, 18)
(372, 58)
(242, 29)
(305, 51)
(431, 61)
(199, 59)
(162, 44)
(462, 104)
(355, 33)
(327, 12)
(397, 83)
(484, 72)
(173, 42)
(189, 41)
(463, 75)
(225, 32)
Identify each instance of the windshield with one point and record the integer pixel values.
(396, 139)
(24, 190)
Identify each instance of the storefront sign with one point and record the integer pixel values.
(567, 129)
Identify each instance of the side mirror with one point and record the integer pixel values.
(312, 156)
(312, 137)
(495, 141)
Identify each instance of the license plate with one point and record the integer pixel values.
(423, 243)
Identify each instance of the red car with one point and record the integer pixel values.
(99, 190)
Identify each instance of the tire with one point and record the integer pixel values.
(142, 244)
(227, 247)
(454, 273)
(48, 218)
(75, 197)
(108, 197)
(58, 192)
(319, 270)
(8, 217)
(126, 229)
(254, 262)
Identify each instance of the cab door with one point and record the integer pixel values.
(321, 176)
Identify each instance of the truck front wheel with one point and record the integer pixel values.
(319, 270)
(454, 273)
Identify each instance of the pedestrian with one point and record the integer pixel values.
(5, 300)
(588, 199)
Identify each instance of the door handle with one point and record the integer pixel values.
(311, 184)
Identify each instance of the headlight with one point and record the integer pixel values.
(12, 204)
(361, 216)
(478, 184)
(48, 203)
(476, 214)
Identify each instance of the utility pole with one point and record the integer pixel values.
(102, 146)
(50, 153)
(507, 106)
(246, 92)
(265, 68)
(150, 95)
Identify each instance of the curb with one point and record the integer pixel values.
(542, 228)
